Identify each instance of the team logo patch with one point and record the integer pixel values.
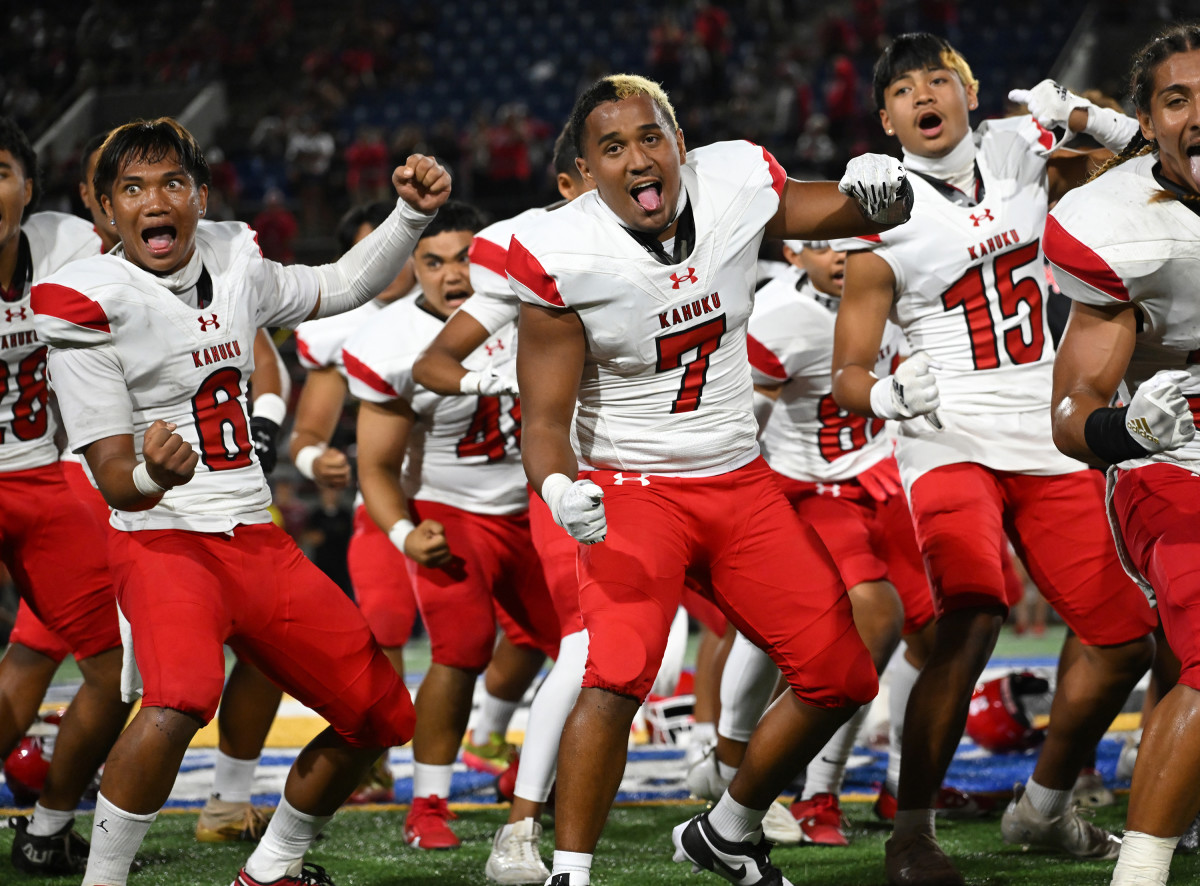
(204, 324)
(986, 216)
(492, 348)
(18, 314)
(832, 489)
(621, 479)
(689, 277)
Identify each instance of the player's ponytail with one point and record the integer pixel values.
(1138, 145)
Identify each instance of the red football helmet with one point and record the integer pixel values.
(997, 719)
(25, 770)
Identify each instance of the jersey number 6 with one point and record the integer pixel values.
(221, 421)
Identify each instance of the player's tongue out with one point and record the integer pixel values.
(648, 197)
(159, 240)
(1194, 165)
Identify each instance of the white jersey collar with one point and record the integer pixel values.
(956, 169)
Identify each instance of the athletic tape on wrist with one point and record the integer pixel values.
(305, 458)
(1105, 434)
(144, 483)
(270, 407)
(399, 532)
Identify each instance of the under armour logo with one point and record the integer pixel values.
(103, 825)
(987, 216)
(689, 277)
(1141, 427)
(491, 349)
(621, 479)
(18, 314)
(833, 489)
(204, 324)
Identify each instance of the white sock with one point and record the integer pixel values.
(667, 678)
(48, 822)
(703, 733)
(726, 771)
(1049, 803)
(746, 686)
(281, 850)
(432, 780)
(1145, 860)
(494, 716)
(903, 675)
(233, 778)
(733, 821)
(573, 863)
(547, 715)
(116, 836)
(827, 769)
(910, 822)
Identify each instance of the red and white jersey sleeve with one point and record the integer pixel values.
(494, 303)
(462, 451)
(809, 437)
(666, 384)
(125, 351)
(1111, 242)
(27, 426)
(970, 291)
(319, 343)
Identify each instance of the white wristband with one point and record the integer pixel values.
(1111, 128)
(144, 483)
(882, 403)
(469, 383)
(553, 488)
(271, 407)
(398, 534)
(305, 458)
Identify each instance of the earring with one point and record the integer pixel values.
(112, 221)
(891, 132)
(202, 212)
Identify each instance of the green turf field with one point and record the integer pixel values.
(364, 848)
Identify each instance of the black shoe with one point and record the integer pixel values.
(62, 853)
(1190, 841)
(744, 863)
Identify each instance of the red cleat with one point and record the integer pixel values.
(950, 803)
(310, 875)
(506, 782)
(821, 820)
(427, 824)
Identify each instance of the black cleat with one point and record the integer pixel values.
(743, 863)
(62, 853)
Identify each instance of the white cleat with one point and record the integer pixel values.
(780, 826)
(1069, 832)
(515, 858)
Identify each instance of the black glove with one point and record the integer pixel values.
(263, 432)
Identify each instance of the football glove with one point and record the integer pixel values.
(1159, 417)
(487, 383)
(577, 507)
(911, 391)
(263, 433)
(880, 186)
(1051, 105)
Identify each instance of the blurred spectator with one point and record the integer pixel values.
(712, 27)
(368, 167)
(226, 187)
(276, 227)
(309, 153)
(327, 535)
(665, 56)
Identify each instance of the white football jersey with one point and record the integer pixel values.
(970, 292)
(126, 351)
(27, 426)
(494, 303)
(1150, 259)
(809, 437)
(666, 383)
(463, 450)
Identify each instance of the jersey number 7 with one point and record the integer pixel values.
(970, 293)
(703, 339)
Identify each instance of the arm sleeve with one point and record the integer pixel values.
(92, 395)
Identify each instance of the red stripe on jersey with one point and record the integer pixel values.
(870, 238)
(778, 176)
(365, 374)
(528, 271)
(763, 360)
(488, 255)
(305, 354)
(1045, 137)
(68, 304)
(1081, 261)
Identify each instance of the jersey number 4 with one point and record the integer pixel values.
(703, 339)
(29, 410)
(221, 421)
(970, 293)
(485, 436)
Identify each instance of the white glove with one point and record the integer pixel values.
(1159, 417)
(487, 383)
(880, 186)
(1051, 105)
(577, 507)
(911, 391)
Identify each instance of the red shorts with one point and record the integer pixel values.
(32, 634)
(379, 573)
(1158, 509)
(88, 494)
(557, 551)
(187, 593)
(55, 553)
(735, 534)
(703, 609)
(1057, 526)
(494, 574)
(869, 540)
